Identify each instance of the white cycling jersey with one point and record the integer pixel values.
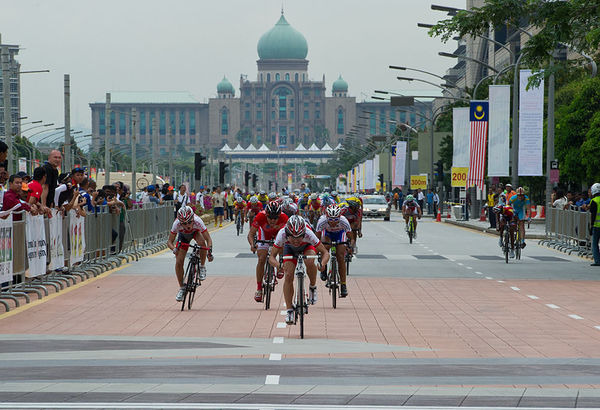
(197, 226)
(342, 225)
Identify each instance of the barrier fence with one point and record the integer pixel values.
(567, 230)
(103, 242)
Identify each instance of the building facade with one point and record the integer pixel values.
(14, 90)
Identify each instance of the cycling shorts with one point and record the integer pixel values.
(339, 236)
(184, 239)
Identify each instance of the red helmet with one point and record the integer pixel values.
(185, 214)
(295, 227)
(273, 210)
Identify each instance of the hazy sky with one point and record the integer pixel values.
(188, 45)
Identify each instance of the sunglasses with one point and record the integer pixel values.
(187, 223)
(333, 219)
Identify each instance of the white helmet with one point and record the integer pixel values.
(595, 189)
(253, 200)
(313, 196)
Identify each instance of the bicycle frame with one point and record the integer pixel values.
(299, 300)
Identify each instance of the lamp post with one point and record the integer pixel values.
(427, 82)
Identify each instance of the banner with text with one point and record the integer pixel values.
(531, 126)
(77, 237)
(461, 132)
(459, 177)
(36, 245)
(369, 183)
(499, 131)
(418, 181)
(57, 252)
(6, 250)
(400, 165)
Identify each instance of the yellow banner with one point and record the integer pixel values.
(418, 181)
(459, 177)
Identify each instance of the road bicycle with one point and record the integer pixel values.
(269, 280)
(333, 279)
(239, 223)
(191, 277)
(411, 228)
(519, 241)
(300, 301)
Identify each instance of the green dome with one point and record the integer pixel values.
(225, 87)
(340, 86)
(282, 42)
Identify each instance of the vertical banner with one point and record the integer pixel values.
(376, 171)
(460, 133)
(6, 247)
(478, 117)
(76, 237)
(369, 174)
(354, 170)
(531, 126)
(23, 165)
(498, 151)
(399, 171)
(289, 181)
(35, 235)
(57, 252)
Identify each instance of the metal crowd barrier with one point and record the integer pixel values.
(567, 230)
(109, 240)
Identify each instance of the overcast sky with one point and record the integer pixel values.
(188, 45)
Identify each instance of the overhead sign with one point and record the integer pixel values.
(459, 177)
(418, 182)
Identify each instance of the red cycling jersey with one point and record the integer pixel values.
(256, 208)
(270, 231)
(351, 216)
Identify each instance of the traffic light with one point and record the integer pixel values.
(254, 178)
(439, 169)
(222, 171)
(198, 164)
(270, 185)
(380, 177)
(246, 178)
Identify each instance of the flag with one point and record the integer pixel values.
(478, 117)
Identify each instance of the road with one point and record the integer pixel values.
(440, 322)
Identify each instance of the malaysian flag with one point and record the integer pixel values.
(479, 114)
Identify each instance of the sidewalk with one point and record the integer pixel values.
(536, 230)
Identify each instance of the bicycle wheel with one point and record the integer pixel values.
(267, 283)
(518, 245)
(348, 260)
(411, 230)
(301, 301)
(506, 243)
(238, 225)
(189, 272)
(194, 283)
(333, 285)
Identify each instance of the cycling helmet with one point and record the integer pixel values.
(295, 227)
(262, 192)
(409, 198)
(333, 211)
(252, 193)
(520, 191)
(306, 195)
(353, 203)
(313, 196)
(595, 189)
(239, 200)
(185, 214)
(272, 195)
(273, 210)
(334, 194)
(253, 200)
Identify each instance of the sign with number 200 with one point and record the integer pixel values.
(459, 176)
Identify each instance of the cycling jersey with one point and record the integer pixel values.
(240, 205)
(309, 241)
(263, 198)
(256, 208)
(302, 203)
(197, 226)
(506, 211)
(315, 205)
(519, 205)
(336, 233)
(266, 231)
(351, 216)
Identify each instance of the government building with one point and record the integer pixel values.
(281, 109)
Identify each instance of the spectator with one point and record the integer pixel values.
(562, 202)
(230, 198)
(436, 202)
(51, 168)
(420, 196)
(168, 196)
(207, 199)
(84, 193)
(12, 198)
(152, 198)
(509, 192)
(429, 201)
(126, 197)
(3, 179)
(35, 188)
(181, 197)
(595, 219)
(218, 202)
(3, 152)
(490, 206)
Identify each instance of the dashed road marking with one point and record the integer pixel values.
(275, 356)
(479, 273)
(501, 281)
(283, 312)
(278, 340)
(272, 379)
(597, 327)
(468, 267)
(281, 325)
(515, 288)
(532, 297)
(460, 264)
(551, 306)
(576, 317)
(489, 277)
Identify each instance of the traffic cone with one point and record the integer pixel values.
(482, 217)
(543, 213)
(439, 216)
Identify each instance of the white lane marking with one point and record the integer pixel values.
(597, 327)
(515, 288)
(451, 260)
(468, 267)
(275, 356)
(460, 264)
(283, 312)
(532, 297)
(479, 273)
(278, 340)
(272, 379)
(281, 325)
(488, 277)
(576, 317)
(501, 281)
(551, 306)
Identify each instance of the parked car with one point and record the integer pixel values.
(375, 206)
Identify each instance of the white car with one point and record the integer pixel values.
(376, 206)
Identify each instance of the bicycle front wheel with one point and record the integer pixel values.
(333, 285)
(506, 244)
(267, 286)
(188, 278)
(411, 230)
(300, 305)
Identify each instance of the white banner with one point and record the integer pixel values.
(531, 127)
(499, 131)
(400, 166)
(57, 252)
(461, 131)
(369, 174)
(6, 249)
(36, 245)
(376, 171)
(23, 164)
(76, 237)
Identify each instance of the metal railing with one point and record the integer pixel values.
(110, 239)
(567, 230)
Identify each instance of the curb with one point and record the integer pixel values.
(485, 230)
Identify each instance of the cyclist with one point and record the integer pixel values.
(263, 198)
(265, 227)
(292, 240)
(302, 203)
(334, 227)
(352, 210)
(288, 207)
(411, 207)
(314, 208)
(250, 195)
(326, 200)
(273, 196)
(506, 215)
(240, 208)
(335, 197)
(253, 207)
(520, 203)
(186, 227)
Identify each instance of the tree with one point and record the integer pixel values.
(575, 23)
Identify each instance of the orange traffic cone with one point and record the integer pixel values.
(482, 216)
(439, 216)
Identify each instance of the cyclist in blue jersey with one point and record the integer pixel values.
(520, 203)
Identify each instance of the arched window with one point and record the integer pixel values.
(268, 77)
(340, 121)
(277, 77)
(287, 76)
(296, 77)
(224, 122)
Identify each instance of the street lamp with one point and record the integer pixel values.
(474, 60)
(426, 82)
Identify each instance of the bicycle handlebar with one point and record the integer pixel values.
(268, 242)
(288, 257)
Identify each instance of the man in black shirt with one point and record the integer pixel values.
(51, 167)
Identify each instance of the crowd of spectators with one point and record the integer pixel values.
(576, 201)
